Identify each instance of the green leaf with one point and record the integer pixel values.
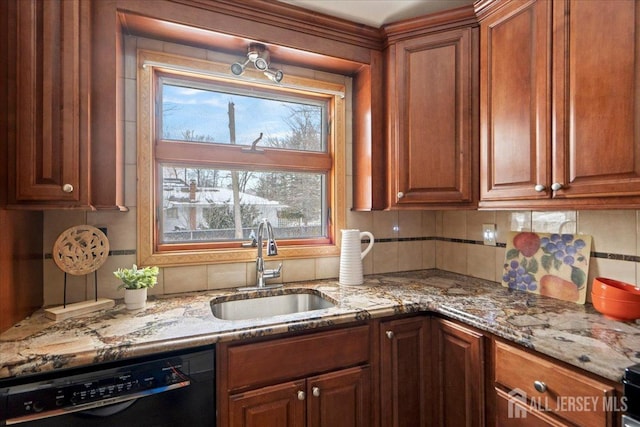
(578, 276)
(547, 261)
(524, 263)
(135, 278)
(533, 266)
(513, 253)
(557, 263)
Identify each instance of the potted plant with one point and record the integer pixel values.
(135, 282)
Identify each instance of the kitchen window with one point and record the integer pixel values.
(218, 153)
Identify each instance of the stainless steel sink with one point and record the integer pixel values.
(268, 305)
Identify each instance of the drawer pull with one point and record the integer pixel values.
(316, 391)
(540, 386)
(390, 334)
(556, 186)
(67, 188)
(400, 194)
(539, 188)
(301, 395)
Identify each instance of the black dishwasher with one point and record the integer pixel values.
(165, 390)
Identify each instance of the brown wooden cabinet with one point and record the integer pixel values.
(52, 102)
(431, 110)
(458, 375)
(49, 108)
(276, 405)
(321, 379)
(334, 399)
(532, 390)
(340, 399)
(405, 373)
(559, 104)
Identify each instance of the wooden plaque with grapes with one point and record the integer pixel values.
(555, 265)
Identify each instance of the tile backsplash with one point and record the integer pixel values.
(448, 240)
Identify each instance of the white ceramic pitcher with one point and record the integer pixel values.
(351, 256)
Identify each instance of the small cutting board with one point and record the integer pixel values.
(551, 264)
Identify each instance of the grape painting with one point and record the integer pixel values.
(554, 264)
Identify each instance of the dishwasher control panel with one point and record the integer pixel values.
(93, 389)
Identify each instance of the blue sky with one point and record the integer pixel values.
(205, 112)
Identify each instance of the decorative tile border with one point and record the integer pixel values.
(111, 253)
(604, 255)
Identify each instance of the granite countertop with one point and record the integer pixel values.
(572, 333)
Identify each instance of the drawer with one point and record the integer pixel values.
(569, 394)
(268, 362)
(510, 412)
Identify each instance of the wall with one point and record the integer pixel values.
(407, 240)
(20, 265)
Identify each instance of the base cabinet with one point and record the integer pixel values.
(276, 405)
(511, 412)
(335, 399)
(340, 399)
(321, 379)
(532, 390)
(405, 374)
(458, 375)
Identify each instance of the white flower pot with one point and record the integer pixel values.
(135, 298)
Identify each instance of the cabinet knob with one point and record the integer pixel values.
(301, 395)
(539, 188)
(400, 194)
(556, 186)
(390, 334)
(67, 188)
(540, 386)
(315, 391)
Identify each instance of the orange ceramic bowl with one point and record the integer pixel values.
(616, 309)
(614, 289)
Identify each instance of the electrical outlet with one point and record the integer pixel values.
(489, 234)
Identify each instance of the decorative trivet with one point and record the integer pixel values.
(80, 250)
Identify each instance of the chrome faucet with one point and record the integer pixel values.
(272, 249)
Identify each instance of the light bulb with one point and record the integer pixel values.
(237, 68)
(262, 61)
(275, 76)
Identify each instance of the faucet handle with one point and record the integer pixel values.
(272, 274)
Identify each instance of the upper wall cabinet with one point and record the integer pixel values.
(49, 110)
(559, 104)
(431, 125)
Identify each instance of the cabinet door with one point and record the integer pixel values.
(282, 405)
(515, 63)
(405, 375)
(458, 375)
(432, 138)
(340, 399)
(50, 150)
(596, 98)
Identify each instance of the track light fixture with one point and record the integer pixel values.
(259, 56)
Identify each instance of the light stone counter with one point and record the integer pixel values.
(568, 332)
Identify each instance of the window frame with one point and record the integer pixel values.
(152, 67)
